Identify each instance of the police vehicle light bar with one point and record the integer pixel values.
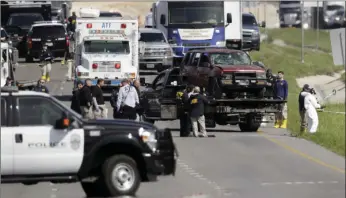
(47, 22)
(89, 25)
(9, 89)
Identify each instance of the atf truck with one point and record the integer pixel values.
(198, 24)
(106, 48)
(334, 14)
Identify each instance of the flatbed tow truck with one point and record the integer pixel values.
(9, 60)
(160, 102)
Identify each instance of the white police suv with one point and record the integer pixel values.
(43, 140)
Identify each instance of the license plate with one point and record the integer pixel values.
(227, 82)
(150, 66)
(244, 82)
(49, 44)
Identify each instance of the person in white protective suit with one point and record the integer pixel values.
(310, 105)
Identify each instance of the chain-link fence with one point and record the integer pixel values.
(316, 18)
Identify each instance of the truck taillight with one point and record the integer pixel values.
(117, 65)
(94, 66)
(89, 25)
(67, 41)
(29, 43)
(123, 26)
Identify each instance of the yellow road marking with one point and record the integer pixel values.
(306, 156)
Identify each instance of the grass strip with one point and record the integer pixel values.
(331, 132)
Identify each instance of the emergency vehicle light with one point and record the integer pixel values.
(89, 25)
(123, 26)
(94, 66)
(117, 65)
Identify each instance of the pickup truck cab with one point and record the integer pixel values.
(43, 140)
(224, 73)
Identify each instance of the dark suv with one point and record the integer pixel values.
(53, 34)
(224, 72)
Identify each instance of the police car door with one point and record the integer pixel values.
(7, 139)
(38, 147)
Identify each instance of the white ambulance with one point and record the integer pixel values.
(105, 48)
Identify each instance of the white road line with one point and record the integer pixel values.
(195, 174)
(298, 183)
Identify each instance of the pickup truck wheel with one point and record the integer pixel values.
(250, 125)
(94, 189)
(121, 175)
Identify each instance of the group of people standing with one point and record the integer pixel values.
(89, 101)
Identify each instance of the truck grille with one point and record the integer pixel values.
(244, 75)
(290, 19)
(247, 35)
(155, 52)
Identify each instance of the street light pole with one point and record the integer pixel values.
(302, 29)
(318, 24)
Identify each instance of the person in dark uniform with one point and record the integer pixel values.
(185, 122)
(197, 102)
(9, 82)
(100, 110)
(86, 100)
(40, 87)
(113, 101)
(46, 60)
(75, 100)
(71, 26)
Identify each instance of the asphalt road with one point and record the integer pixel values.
(267, 164)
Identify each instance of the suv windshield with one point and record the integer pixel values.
(120, 47)
(249, 20)
(51, 30)
(152, 37)
(233, 58)
(24, 20)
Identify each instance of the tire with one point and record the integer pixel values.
(250, 125)
(95, 189)
(128, 166)
(29, 59)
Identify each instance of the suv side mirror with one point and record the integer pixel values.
(163, 19)
(258, 63)
(62, 123)
(229, 18)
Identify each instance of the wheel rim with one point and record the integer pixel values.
(123, 177)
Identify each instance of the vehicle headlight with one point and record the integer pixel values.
(255, 34)
(261, 75)
(221, 43)
(148, 137)
(168, 52)
(337, 18)
(326, 19)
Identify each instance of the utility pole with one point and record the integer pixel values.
(302, 29)
(318, 25)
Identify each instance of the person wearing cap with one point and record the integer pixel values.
(75, 100)
(127, 101)
(281, 93)
(197, 101)
(302, 110)
(184, 118)
(310, 106)
(46, 59)
(40, 86)
(86, 100)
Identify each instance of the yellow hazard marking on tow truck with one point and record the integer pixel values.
(194, 101)
(304, 155)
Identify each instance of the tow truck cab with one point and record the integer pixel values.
(106, 48)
